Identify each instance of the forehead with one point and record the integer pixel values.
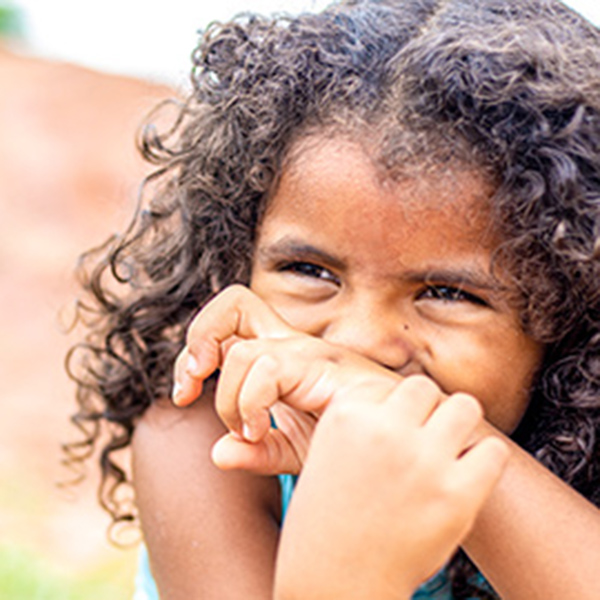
(337, 184)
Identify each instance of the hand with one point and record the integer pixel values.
(387, 493)
(236, 313)
(267, 368)
(294, 380)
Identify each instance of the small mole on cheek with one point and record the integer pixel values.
(405, 327)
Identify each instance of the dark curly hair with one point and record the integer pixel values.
(510, 86)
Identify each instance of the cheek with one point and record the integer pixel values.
(307, 319)
(295, 313)
(499, 375)
(505, 404)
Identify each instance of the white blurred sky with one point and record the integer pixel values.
(149, 38)
(152, 38)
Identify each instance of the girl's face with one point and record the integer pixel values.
(397, 271)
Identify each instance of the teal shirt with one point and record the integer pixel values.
(437, 588)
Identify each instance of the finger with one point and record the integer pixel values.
(257, 374)
(234, 312)
(247, 388)
(480, 468)
(414, 399)
(185, 389)
(273, 455)
(297, 426)
(453, 423)
(260, 390)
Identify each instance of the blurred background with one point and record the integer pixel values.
(76, 79)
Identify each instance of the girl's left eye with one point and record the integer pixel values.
(307, 269)
(447, 293)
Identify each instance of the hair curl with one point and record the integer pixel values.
(508, 85)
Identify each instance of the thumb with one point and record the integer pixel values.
(272, 455)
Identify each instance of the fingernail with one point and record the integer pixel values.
(176, 392)
(192, 366)
(247, 432)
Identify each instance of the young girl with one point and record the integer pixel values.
(411, 192)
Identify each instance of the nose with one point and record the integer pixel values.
(378, 334)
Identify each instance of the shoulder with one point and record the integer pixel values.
(192, 514)
(164, 422)
(171, 447)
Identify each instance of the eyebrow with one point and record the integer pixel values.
(456, 276)
(461, 276)
(290, 248)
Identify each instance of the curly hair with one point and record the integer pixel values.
(511, 86)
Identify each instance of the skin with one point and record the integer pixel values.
(419, 462)
(425, 301)
(424, 307)
(174, 476)
(398, 272)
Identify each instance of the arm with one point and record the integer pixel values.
(210, 534)
(413, 460)
(536, 538)
(387, 492)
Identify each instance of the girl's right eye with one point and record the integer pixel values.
(311, 270)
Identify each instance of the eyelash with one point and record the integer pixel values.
(308, 269)
(444, 293)
(448, 293)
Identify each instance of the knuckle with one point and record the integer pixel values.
(301, 346)
(224, 301)
(235, 295)
(196, 330)
(468, 405)
(267, 364)
(241, 351)
(340, 414)
(237, 350)
(234, 291)
(353, 422)
(421, 384)
(197, 344)
(303, 343)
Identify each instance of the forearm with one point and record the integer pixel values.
(379, 509)
(536, 538)
(210, 534)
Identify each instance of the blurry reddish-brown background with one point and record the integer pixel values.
(69, 174)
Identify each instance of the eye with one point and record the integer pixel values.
(447, 293)
(309, 270)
